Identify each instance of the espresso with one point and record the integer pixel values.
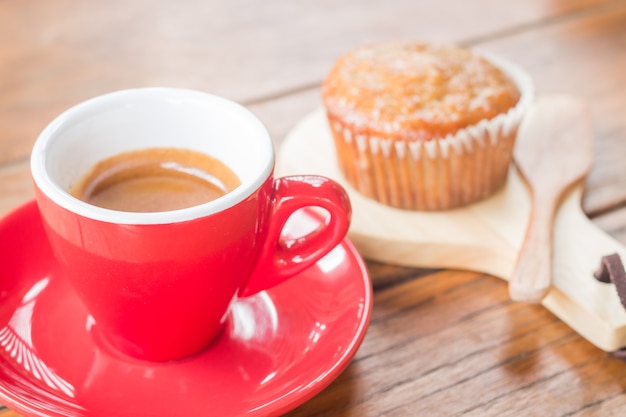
(154, 180)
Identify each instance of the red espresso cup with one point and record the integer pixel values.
(159, 285)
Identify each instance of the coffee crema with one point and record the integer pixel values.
(155, 180)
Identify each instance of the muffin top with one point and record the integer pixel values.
(415, 91)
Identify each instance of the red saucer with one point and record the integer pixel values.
(280, 348)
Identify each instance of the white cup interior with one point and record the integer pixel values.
(143, 118)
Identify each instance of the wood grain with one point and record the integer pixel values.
(553, 151)
(487, 236)
(5, 412)
(584, 57)
(15, 186)
(441, 342)
(453, 351)
(56, 54)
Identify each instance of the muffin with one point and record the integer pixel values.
(424, 127)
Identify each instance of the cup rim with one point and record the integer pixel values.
(61, 197)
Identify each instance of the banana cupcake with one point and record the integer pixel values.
(424, 127)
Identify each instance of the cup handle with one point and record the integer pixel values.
(280, 259)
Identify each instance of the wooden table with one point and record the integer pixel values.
(441, 342)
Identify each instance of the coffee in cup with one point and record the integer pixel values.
(154, 180)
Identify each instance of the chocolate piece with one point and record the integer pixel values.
(612, 271)
(610, 267)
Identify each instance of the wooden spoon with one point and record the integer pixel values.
(553, 152)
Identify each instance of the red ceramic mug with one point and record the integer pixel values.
(159, 285)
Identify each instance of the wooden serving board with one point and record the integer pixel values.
(484, 237)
